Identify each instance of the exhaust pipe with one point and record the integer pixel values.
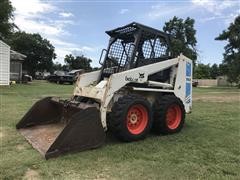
(54, 127)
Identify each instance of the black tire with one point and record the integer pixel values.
(120, 121)
(173, 123)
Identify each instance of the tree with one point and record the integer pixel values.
(39, 51)
(57, 66)
(69, 61)
(223, 69)
(6, 15)
(183, 38)
(232, 51)
(78, 62)
(214, 71)
(202, 71)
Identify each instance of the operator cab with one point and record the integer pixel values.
(132, 46)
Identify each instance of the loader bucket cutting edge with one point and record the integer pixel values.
(53, 129)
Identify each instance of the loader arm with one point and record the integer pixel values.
(88, 78)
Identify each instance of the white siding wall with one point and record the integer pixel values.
(4, 63)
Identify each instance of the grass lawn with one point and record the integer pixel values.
(207, 148)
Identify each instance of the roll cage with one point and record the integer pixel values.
(132, 46)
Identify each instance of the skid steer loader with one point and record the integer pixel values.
(140, 87)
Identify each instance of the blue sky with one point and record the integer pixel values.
(78, 27)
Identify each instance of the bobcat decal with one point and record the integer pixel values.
(141, 75)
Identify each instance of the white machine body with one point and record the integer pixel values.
(107, 91)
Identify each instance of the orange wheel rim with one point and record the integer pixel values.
(137, 119)
(174, 116)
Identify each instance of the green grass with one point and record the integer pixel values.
(207, 148)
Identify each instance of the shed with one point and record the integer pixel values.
(4, 63)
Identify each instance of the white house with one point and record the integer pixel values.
(4, 64)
